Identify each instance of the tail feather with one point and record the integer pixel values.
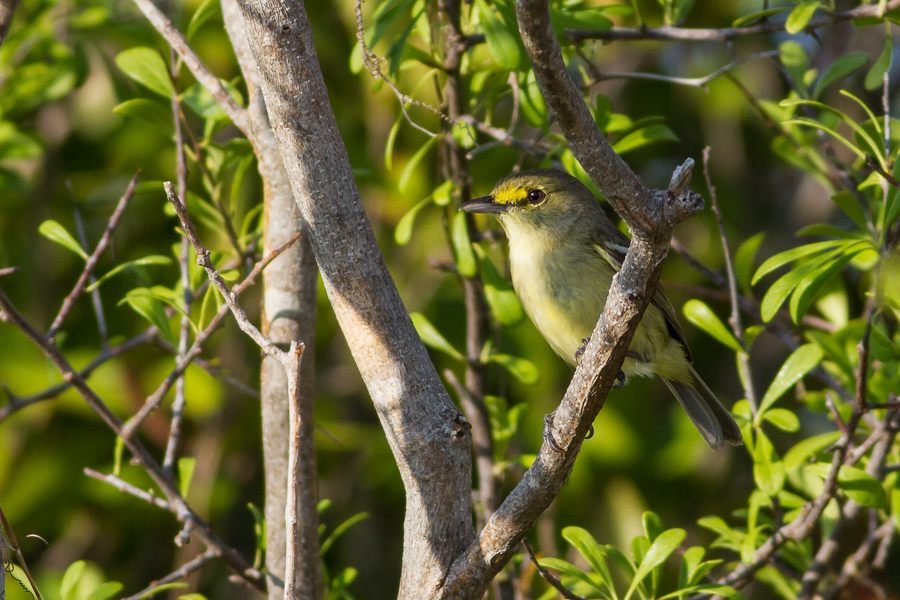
(711, 419)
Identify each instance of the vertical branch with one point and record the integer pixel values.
(184, 332)
(95, 293)
(290, 287)
(735, 320)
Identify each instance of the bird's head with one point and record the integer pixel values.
(544, 199)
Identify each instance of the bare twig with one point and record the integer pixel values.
(669, 33)
(8, 539)
(185, 570)
(548, 576)
(735, 321)
(126, 488)
(698, 82)
(91, 263)
(155, 399)
(95, 292)
(179, 43)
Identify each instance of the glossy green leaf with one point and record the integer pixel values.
(55, 232)
(842, 67)
(410, 167)
(395, 53)
(593, 552)
(503, 46)
(782, 418)
(652, 525)
(105, 590)
(875, 77)
(202, 102)
(698, 313)
(861, 487)
(744, 258)
(802, 451)
(768, 470)
(145, 66)
(571, 570)
(154, 112)
(834, 350)
(659, 551)
(800, 16)
(803, 360)
(643, 137)
(499, 293)
(465, 256)
(140, 262)
(762, 14)
(403, 232)
(207, 10)
(809, 287)
(70, 579)
(522, 369)
(143, 302)
(851, 206)
(783, 258)
(432, 338)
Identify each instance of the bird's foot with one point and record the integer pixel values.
(590, 432)
(580, 352)
(620, 381)
(548, 433)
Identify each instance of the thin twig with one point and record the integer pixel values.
(735, 320)
(155, 399)
(548, 576)
(12, 543)
(126, 488)
(95, 292)
(91, 263)
(185, 570)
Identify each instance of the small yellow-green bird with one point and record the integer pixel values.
(563, 253)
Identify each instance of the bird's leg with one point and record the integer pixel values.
(590, 433)
(620, 381)
(636, 356)
(580, 352)
(548, 433)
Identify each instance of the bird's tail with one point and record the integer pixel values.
(711, 419)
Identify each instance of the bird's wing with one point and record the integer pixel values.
(613, 251)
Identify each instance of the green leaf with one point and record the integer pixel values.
(811, 284)
(861, 487)
(768, 471)
(522, 369)
(834, 350)
(795, 59)
(782, 418)
(55, 232)
(659, 551)
(465, 256)
(798, 364)
(145, 66)
(698, 313)
(744, 258)
(432, 338)
(156, 113)
(882, 347)
(643, 137)
(800, 16)
(500, 39)
(192, 597)
(395, 53)
(105, 590)
(444, 193)
(410, 167)
(850, 205)
(500, 295)
(207, 10)
(842, 67)
(762, 14)
(202, 102)
(403, 232)
(140, 262)
(875, 76)
(389, 145)
(186, 467)
(595, 554)
(571, 570)
(143, 302)
(340, 529)
(783, 258)
(70, 579)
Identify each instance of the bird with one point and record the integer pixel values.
(563, 254)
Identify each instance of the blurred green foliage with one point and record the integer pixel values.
(84, 103)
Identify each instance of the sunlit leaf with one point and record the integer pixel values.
(861, 487)
(55, 232)
(403, 232)
(70, 579)
(154, 112)
(782, 419)
(140, 262)
(783, 258)
(500, 40)
(410, 168)
(105, 590)
(432, 338)
(145, 66)
(465, 256)
(768, 471)
(800, 16)
(698, 313)
(803, 360)
(642, 137)
(207, 10)
(659, 551)
(499, 293)
(875, 76)
(186, 465)
(745, 256)
(522, 369)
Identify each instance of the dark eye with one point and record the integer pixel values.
(536, 196)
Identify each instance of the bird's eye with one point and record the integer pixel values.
(536, 196)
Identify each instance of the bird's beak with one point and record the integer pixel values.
(485, 204)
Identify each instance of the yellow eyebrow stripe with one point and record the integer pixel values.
(514, 196)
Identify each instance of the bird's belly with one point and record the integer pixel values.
(565, 316)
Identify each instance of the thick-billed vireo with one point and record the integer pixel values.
(563, 253)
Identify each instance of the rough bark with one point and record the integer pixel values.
(289, 313)
(429, 438)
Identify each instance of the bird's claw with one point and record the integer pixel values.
(620, 381)
(580, 352)
(590, 432)
(548, 433)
